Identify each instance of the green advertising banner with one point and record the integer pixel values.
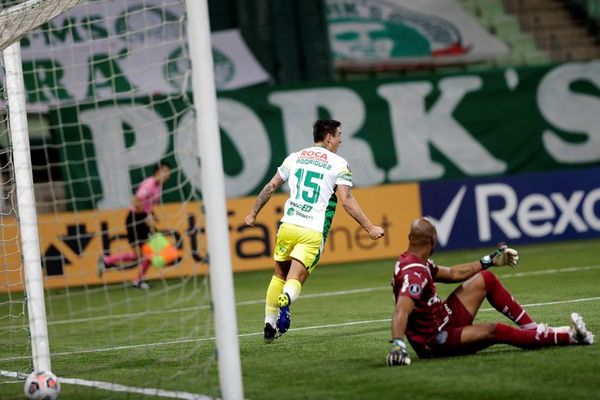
(112, 48)
(420, 128)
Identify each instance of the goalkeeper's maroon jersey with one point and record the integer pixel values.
(414, 279)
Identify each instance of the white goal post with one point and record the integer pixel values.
(21, 19)
(205, 100)
(15, 22)
(30, 245)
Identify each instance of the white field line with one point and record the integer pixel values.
(306, 296)
(115, 387)
(15, 375)
(550, 271)
(242, 335)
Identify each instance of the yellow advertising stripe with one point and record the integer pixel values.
(71, 242)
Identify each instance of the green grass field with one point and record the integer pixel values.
(337, 345)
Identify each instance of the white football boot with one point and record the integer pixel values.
(579, 332)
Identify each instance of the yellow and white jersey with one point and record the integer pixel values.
(313, 175)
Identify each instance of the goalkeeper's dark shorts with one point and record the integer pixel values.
(447, 340)
(137, 228)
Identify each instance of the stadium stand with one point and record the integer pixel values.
(536, 31)
(499, 20)
(563, 28)
(492, 15)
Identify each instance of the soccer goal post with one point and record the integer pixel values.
(15, 22)
(102, 98)
(209, 142)
(34, 286)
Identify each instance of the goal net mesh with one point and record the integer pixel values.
(108, 98)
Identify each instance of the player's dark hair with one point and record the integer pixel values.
(322, 127)
(160, 165)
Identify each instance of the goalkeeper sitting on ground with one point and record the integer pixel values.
(438, 329)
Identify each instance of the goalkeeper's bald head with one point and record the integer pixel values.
(422, 234)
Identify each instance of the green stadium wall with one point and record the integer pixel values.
(492, 123)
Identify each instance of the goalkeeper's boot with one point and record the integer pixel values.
(270, 333)
(100, 267)
(284, 320)
(141, 285)
(580, 333)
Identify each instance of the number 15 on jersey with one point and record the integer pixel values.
(308, 185)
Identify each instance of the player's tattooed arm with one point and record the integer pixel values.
(465, 271)
(457, 273)
(263, 197)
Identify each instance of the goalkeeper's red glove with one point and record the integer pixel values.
(503, 255)
(398, 355)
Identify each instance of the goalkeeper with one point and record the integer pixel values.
(438, 329)
(140, 223)
(314, 175)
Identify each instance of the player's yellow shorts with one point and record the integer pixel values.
(305, 245)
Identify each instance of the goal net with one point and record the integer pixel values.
(108, 98)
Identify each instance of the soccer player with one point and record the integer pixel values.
(314, 175)
(438, 329)
(140, 223)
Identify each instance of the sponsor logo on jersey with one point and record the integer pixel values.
(301, 207)
(317, 155)
(301, 214)
(290, 211)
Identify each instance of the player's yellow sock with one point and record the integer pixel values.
(273, 291)
(292, 287)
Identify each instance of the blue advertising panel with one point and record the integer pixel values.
(525, 208)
